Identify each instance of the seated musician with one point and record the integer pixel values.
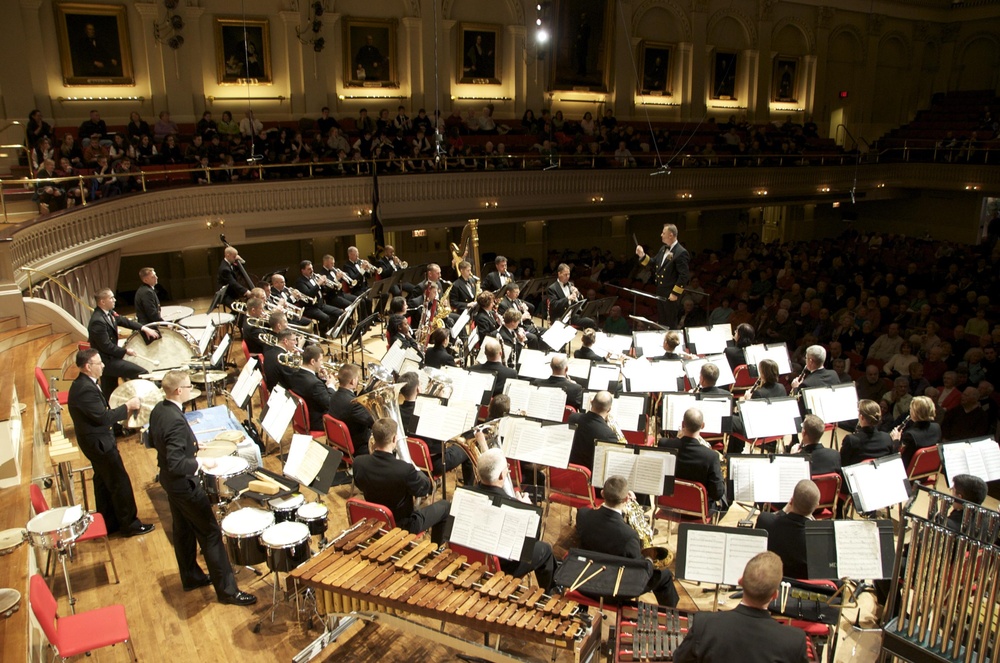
(560, 380)
(814, 375)
(867, 442)
(921, 432)
(767, 387)
(786, 529)
(605, 530)
(283, 296)
(707, 377)
(438, 354)
(313, 385)
(742, 337)
(102, 334)
(969, 488)
(591, 427)
(494, 364)
(394, 483)
(390, 264)
(334, 294)
(747, 633)
(492, 469)
(275, 372)
(671, 341)
(433, 278)
(251, 333)
(514, 335)
(463, 290)
(822, 460)
(453, 456)
(308, 284)
(147, 302)
(562, 294)
(354, 415)
(398, 326)
(488, 321)
(696, 461)
(587, 351)
(511, 299)
(499, 278)
(354, 268)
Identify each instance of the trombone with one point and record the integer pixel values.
(294, 360)
(261, 323)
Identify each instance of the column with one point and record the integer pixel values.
(699, 68)
(25, 47)
(516, 69)
(821, 95)
(293, 69)
(411, 74)
(191, 57)
(683, 85)
(765, 62)
(621, 82)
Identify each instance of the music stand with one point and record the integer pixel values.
(356, 335)
(409, 274)
(639, 293)
(338, 329)
(598, 308)
(649, 323)
(217, 299)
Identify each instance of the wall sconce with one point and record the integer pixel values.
(761, 192)
(491, 204)
(311, 32)
(972, 187)
(824, 189)
(880, 185)
(168, 30)
(686, 196)
(216, 223)
(362, 212)
(597, 199)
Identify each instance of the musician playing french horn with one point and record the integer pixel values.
(453, 455)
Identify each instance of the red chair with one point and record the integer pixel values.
(246, 350)
(358, 508)
(80, 633)
(97, 529)
(924, 466)
(492, 562)
(829, 493)
(43, 383)
(755, 442)
(339, 437)
(743, 380)
(421, 457)
(300, 420)
(689, 503)
(570, 487)
(568, 412)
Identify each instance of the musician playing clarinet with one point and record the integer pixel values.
(227, 276)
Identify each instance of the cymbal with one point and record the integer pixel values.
(148, 393)
(216, 449)
(193, 395)
(213, 376)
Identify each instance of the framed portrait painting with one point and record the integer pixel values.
(479, 54)
(582, 45)
(654, 76)
(724, 75)
(370, 53)
(93, 44)
(784, 79)
(243, 51)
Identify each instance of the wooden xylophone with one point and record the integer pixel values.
(365, 570)
(647, 632)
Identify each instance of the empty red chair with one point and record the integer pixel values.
(358, 508)
(571, 487)
(925, 466)
(492, 562)
(829, 493)
(689, 503)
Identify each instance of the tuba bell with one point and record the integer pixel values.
(382, 402)
(636, 519)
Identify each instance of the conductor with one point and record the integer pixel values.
(670, 273)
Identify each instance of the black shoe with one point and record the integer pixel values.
(143, 528)
(204, 582)
(240, 598)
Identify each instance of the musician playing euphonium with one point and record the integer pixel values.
(453, 455)
(491, 469)
(604, 530)
(591, 426)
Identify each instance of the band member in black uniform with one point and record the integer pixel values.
(696, 461)
(488, 321)
(671, 341)
(562, 294)
(920, 432)
(814, 375)
(438, 354)
(591, 427)
(308, 284)
(391, 264)
(604, 530)
(501, 277)
(311, 383)
(560, 380)
(453, 455)
(671, 272)
(194, 525)
(354, 415)
(822, 460)
(743, 336)
(867, 441)
(147, 303)
(355, 269)
(511, 299)
(514, 337)
(333, 291)
(227, 277)
(494, 364)
(251, 333)
(282, 295)
(92, 422)
(275, 372)
(586, 351)
(102, 334)
(707, 377)
(767, 386)
(463, 290)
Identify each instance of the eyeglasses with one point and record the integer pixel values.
(186, 386)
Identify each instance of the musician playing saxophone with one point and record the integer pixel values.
(604, 530)
(491, 469)
(591, 426)
(453, 455)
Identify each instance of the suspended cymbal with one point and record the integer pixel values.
(213, 376)
(193, 394)
(148, 393)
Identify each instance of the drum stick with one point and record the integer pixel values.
(587, 579)
(154, 362)
(212, 430)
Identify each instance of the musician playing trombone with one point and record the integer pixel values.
(102, 334)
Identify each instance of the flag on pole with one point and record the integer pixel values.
(378, 232)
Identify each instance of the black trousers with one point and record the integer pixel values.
(194, 525)
(113, 490)
(117, 368)
(662, 586)
(431, 517)
(453, 457)
(666, 311)
(324, 315)
(542, 563)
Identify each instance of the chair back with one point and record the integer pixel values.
(43, 382)
(492, 562)
(514, 467)
(338, 435)
(568, 412)
(829, 493)
(925, 465)
(44, 607)
(300, 419)
(246, 350)
(742, 379)
(421, 456)
(689, 502)
(358, 508)
(38, 502)
(264, 393)
(572, 487)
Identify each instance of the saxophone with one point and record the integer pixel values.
(443, 309)
(637, 520)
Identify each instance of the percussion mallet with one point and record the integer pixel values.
(154, 362)
(618, 580)
(587, 579)
(586, 566)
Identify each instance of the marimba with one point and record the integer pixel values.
(392, 576)
(647, 632)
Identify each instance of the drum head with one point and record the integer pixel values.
(55, 519)
(9, 598)
(312, 511)
(175, 313)
(201, 320)
(217, 449)
(248, 521)
(148, 393)
(174, 348)
(228, 466)
(293, 501)
(234, 436)
(11, 539)
(285, 534)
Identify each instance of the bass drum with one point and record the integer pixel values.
(174, 348)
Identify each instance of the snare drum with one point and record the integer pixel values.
(284, 508)
(241, 532)
(214, 478)
(314, 515)
(56, 529)
(287, 545)
(175, 313)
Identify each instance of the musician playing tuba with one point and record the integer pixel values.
(453, 455)
(605, 530)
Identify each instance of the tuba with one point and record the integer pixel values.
(636, 519)
(383, 402)
(472, 448)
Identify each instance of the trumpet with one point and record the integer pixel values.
(341, 276)
(617, 430)
(294, 360)
(366, 268)
(300, 296)
(276, 302)
(400, 264)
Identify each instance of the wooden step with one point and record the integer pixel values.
(15, 337)
(8, 323)
(58, 355)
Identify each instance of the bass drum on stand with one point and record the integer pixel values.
(175, 348)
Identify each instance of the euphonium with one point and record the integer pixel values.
(491, 432)
(383, 402)
(618, 431)
(636, 519)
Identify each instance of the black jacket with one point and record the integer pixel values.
(574, 392)
(486, 324)
(314, 392)
(354, 415)
(492, 283)
(176, 446)
(590, 428)
(867, 443)
(438, 356)
(92, 418)
(503, 373)
(391, 482)
(588, 354)
(674, 273)
(604, 530)
(276, 373)
(918, 435)
(822, 460)
(744, 634)
(226, 276)
(696, 462)
(147, 305)
(462, 294)
(102, 334)
(786, 537)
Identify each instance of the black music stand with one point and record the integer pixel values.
(338, 329)
(410, 273)
(356, 335)
(639, 293)
(598, 308)
(380, 297)
(649, 323)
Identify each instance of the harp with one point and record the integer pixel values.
(467, 247)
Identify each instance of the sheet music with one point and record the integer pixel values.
(601, 450)
(548, 403)
(207, 334)
(709, 340)
(646, 376)
(704, 556)
(462, 321)
(877, 486)
(534, 364)
(519, 392)
(578, 368)
(280, 408)
(510, 425)
(644, 472)
(859, 550)
(443, 422)
(766, 479)
(714, 411)
(517, 525)
(693, 368)
(558, 335)
(542, 445)
(305, 459)
(628, 411)
(394, 356)
(978, 457)
(409, 364)
(601, 375)
(740, 550)
(504, 348)
(473, 339)
(776, 351)
(832, 404)
(648, 343)
(248, 380)
(482, 384)
(495, 530)
(616, 343)
(763, 418)
(220, 350)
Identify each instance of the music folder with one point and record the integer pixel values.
(753, 478)
(709, 340)
(250, 376)
(312, 464)
(649, 470)
(877, 483)
(861, 550)
(493, 524)
(711, 553)
(717, 411)
(771, 417)
(832, 404)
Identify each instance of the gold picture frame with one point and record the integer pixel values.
(370, 53)
(582, 45)
(243, 51)
(785, 83)
(479, 53)
(94, 47)
(656, 62)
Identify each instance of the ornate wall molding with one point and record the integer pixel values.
(861, 42)
(671, 6)
(748, 24)
(902, 38)
(807, 31)
(513, 6)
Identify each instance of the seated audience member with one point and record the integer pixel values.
(616, 323)
(822, 460)
(920, 432)
(604, 530)
(868, 442)
(870, 386)
(966, 421)
(786, 529)
(747, 633)
(696, 461)
(897, 402)
(385, 479)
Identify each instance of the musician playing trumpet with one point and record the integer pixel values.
(310, 285)
(251, 333)
(334, 284)
(285, 297)
(390, 264)
(275, 372)
(353, 268)
(313, 385)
